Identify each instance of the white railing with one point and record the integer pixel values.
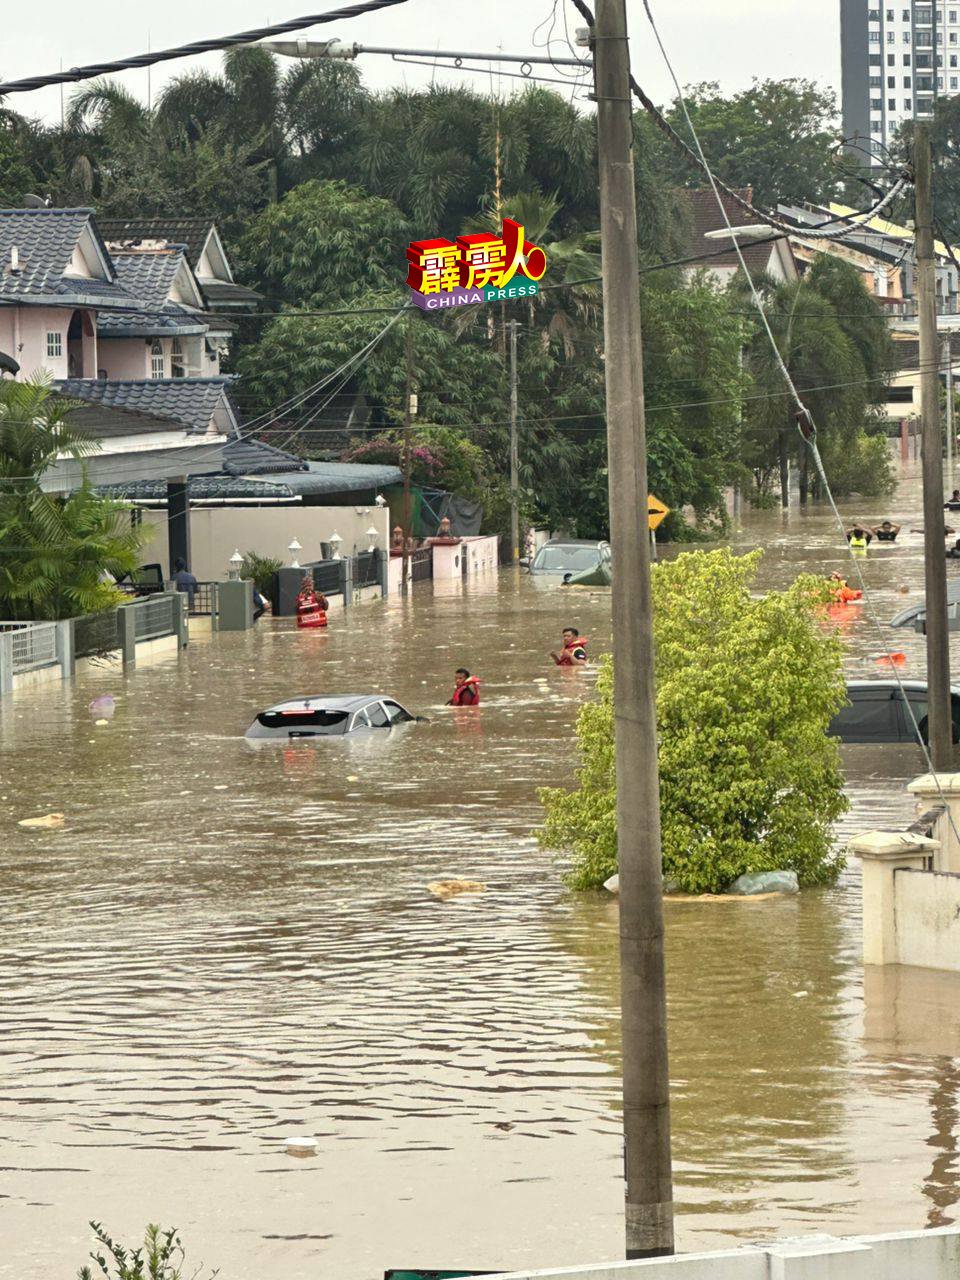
(32, 645)
(154, 615)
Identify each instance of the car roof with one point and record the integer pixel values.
(575, 542)
(911, 686)
(331, 701)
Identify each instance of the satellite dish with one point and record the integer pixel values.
(30, 201)
(8, 364)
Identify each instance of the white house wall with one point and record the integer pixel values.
(216, 532)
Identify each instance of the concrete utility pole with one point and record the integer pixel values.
(514, 459)
(407, 460)
(950, 441)
(939, 718)
(646, 1080)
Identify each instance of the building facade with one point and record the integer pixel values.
(896, 60)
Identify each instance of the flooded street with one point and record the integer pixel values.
(224, 946)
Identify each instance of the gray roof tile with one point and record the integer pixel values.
(149, 275)
(191, 232)
(45, 240)
(189, 402)
(172, 321)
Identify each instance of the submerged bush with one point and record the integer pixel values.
(160, 1257)
(749, 780)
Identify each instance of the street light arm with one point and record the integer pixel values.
(312, 48)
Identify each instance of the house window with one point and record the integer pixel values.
(891, 104)
(156, 359)
(953, 15)
(906, 59)
(876, 104)
(874, 37)
(925, 39)
(907, 104)
(889, 15)
(953, 59)
(891, 82)
(953, 82)
(54, 345)
(178, 365)
(953, 37)
(891, 38)
(906, 37)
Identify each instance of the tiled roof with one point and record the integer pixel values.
(705, 216)
(188, 402)
(149, 276)
(45, 240)
(253, 457)
(198, 487)
(322, 478)
(191, 232)
(171, 322)
(228, 294)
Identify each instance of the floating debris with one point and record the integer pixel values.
(300, 1145)
(45, 820)
(453, 888)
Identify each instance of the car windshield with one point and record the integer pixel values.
(305, 719)
(566, 559)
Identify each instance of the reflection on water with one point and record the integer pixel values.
(224, 946)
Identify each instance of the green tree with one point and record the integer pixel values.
(778, 137)
(324, 244)
(833, 339)
(55, 552)
(749, 780)
(160, 1257)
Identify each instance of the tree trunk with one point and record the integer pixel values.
(784, 471)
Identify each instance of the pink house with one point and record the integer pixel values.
(127, 336)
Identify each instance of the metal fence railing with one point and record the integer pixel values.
(155, 615)
(326, 576)
(96, 634)
(32, 644)
(365, 569)
(199, 600)
(421, 564)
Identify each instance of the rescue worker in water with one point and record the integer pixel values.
(574, 651)
(467, 691)
(311, 605)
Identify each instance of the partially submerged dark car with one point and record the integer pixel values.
(333, 715)
(877, 712)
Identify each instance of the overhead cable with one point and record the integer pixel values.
(75, 74)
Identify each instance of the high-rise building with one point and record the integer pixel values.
(896, 59)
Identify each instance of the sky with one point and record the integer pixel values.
(730, 41)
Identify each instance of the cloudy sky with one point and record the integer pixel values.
(730, 41)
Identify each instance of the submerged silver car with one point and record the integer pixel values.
(333, 715)
(563, 557)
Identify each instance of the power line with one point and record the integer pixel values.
(196, 47)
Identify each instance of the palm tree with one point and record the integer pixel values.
(54, 552)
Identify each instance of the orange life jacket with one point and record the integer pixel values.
(471, 683)
(567, 657)
(309, 611)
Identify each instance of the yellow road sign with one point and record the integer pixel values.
(656, 511)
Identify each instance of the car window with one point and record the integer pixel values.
(361, 720)
(565, 559)
(870, 717)
(378, 717)
(315, 720)
(396, 713)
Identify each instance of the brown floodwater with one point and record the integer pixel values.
(224, 946)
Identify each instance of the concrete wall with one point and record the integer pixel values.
(125, 358)
(216, 532)
(29, 347)
(481, 556)
(927, 913)
(907, 1255)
